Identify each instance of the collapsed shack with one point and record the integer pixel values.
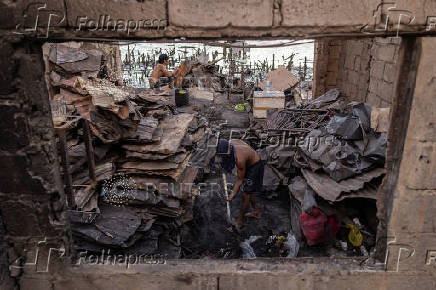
(136, 172)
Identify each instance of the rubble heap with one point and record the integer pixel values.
(325, 151)
(131, 188)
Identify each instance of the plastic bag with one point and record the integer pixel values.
(247, 250)
(354, 236)
(309, 201)
(292, 245)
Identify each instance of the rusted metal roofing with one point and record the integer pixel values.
(331, 190)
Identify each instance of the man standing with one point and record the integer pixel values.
(250, 173)
(160, 75)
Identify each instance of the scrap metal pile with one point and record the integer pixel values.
(325, 151)
(124, 158)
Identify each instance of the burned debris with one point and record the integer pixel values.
(125, 154)
(135, 161)
(326, 152)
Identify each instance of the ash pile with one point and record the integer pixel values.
(329, 153)
(124, 156)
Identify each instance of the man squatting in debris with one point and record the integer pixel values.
(249, 170)
(160, 75)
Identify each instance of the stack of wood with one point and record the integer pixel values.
(141, 149)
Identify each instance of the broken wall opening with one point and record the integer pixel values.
(176, 219)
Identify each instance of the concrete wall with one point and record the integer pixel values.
(363, 69)
(32, 201)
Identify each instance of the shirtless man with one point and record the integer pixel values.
(250, 173)
(160, 75)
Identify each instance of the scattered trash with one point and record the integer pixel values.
(279, 241)
(343, 245)
(309, 201)
(291, 245)
(317, 227)
(241, 107)
(380, 119)
(354, 236)
(364, 251)
(322, 152)
(247, 250)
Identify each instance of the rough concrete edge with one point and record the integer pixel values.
(407, 66)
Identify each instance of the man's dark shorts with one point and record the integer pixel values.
(253, 181)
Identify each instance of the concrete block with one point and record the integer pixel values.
(373, 85)
(357, 47)
(361, 95)
(373, 99)
(385, 53)
(349, 61)
(385, 90)
(411, 252)
(35, 284)
(421, 205)
(354, 78)
(377, 69)
(332, 78)
(385, 104)
(201, 13)
(382, 40)
(327, 13)
(20, 219)
(14, 129)
(335, 51)
(364, 62)
(44, 14)
(422, 124)
(420, 158)
(357, 62)
(108, 13)
(16, 178)
(353, 93)
(390, 72)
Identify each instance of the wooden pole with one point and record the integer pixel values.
(61, 132)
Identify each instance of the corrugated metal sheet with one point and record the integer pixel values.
(331, 190)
